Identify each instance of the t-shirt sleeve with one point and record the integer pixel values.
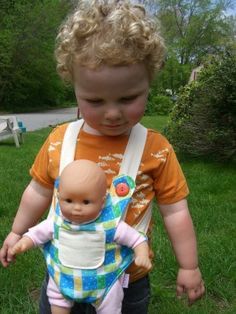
(39, 168)
(169, 181)
(45, 168)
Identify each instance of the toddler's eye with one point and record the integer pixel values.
(128, 98)
(94, 101)
(68, 200)
(86, 202)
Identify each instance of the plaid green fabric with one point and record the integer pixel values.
(91, 285)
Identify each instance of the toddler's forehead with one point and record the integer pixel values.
(132, 73)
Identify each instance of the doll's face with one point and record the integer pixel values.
(82, 191)
(80, 207)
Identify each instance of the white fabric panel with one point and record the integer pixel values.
(81, 249)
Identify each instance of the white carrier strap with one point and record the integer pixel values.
(134, 151)
(130, 163)
(69, 143)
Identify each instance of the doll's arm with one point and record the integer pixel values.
(36, 236)
(179, 226)
(141, 252)
(34, 202)
(128, 236)
(23, 245)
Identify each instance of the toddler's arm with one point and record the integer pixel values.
(128, 236)
(34, 202)
(180, 229)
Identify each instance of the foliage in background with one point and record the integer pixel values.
(194, 28)
(28, 78)
(166, 85)
(158, 104)
(173, 76)
(203, 121)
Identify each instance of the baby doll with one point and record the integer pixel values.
(75, 238)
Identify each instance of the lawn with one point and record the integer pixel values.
(212, 204)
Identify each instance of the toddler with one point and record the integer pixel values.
(110, 51)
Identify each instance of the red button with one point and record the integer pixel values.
(122, 189)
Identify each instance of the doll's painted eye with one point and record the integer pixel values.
(86, 202)
(68, 200)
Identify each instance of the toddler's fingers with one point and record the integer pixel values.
(179, 291)
(3, 256)
(195, 294)
(10, 256)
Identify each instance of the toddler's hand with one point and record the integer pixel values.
(6, 256)
(190, 281)
(143, 261)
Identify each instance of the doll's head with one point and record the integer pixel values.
(82, 191)
(112, 33)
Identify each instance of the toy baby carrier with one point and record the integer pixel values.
(88, 261)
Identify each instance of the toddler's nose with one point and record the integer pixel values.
(113, 113)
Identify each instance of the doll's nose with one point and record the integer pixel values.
(77, 207)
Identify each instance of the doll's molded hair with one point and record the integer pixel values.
(108, 32)
(86, 173)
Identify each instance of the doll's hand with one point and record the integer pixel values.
(143, 261)
(24, 244)
(190, 281)
(5, 255)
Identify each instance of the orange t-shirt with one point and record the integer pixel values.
(159, 174)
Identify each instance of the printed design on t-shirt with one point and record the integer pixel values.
(54, 150)
(161, 154)
(106, 160)
(53, 146)
(139, 200)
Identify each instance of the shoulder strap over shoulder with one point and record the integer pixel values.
(134, 151)
(69, 143)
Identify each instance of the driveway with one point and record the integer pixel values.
(35, 121)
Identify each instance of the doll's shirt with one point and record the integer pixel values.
(125, 235)
(159, 174)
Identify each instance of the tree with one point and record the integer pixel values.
(28, 77)
(173, 75)
(193, 28)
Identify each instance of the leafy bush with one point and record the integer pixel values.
(158, 105)
(203, 120)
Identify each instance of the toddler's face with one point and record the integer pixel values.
(111, 99)
(80, 206)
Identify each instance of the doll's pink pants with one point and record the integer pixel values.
(112, 303)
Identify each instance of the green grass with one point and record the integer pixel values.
(212, 203)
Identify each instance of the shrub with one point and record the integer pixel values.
(203, 119)
(158, 105)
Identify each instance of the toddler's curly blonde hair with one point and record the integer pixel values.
(101, 32)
